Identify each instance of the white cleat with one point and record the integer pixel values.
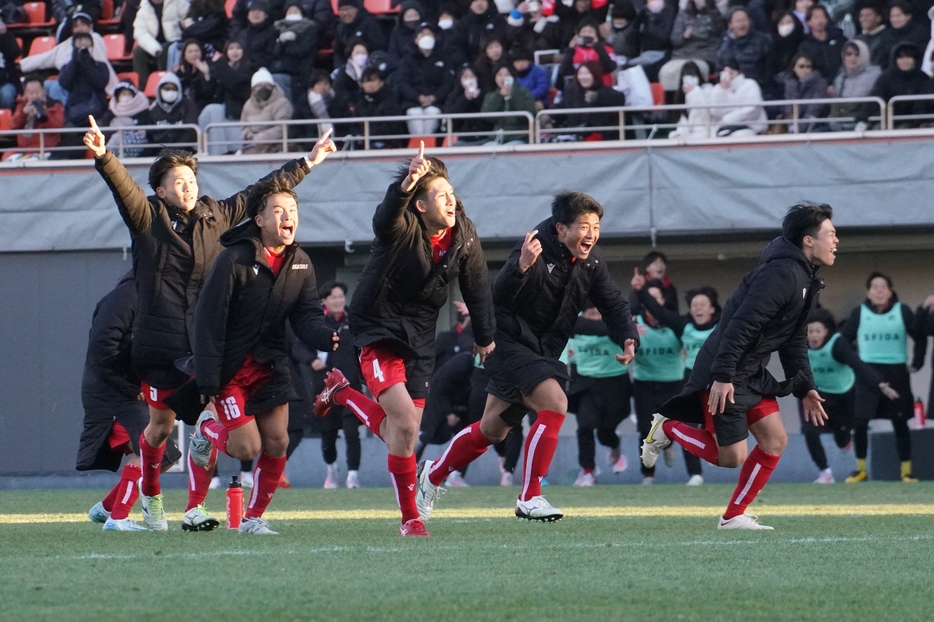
(353, 479)
(124, 524)
(505, 478)
(696, 480)
(825, 477)
(427, 494)
(330, 480)
(199, 447)
(585, 480)
(98, 514)
(743, 521)
(655, 442)
(198, 519)
(153, 512)
(256, 526)
(537, 508)
(456, 480)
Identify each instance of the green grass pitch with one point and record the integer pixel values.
(839, 552)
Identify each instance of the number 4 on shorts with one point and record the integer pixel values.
(377, 372)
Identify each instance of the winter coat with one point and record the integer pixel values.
(365, 27)
(781, 51)
(243, 311)
(892, 82)
(402, 38)
(401, 290)
(570, 18)
(856, 83)
(767, 313)
(9, 52)
(827, 55)
(695, 122)
(624, 41)
(879, 48)
(383, 103)
(207, 29)
(181, 111)
(424, 75)
(255, 112)
(233, 86)
(57, 57)
(172, 253)
(915, 33)
(259, 43)
(750, 51)
(538, 309)
(462, 45)
(707, 29)
(545, 34)
(457, 103)
(146, 25)
(575, 97)
(571, 59)
(85, 79)
(814, 86)
(196, 87)
(520, 100)
(536, 81)
(55, 118)
(124, 115)
(655, 29)
(295, 56)
(746, 97)
(238, 18)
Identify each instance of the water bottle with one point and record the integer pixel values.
(919, 413)
(234, 503)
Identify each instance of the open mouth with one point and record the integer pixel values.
(286, 231)
(585, 247)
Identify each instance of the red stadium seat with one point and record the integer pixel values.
(152, 83)
(116, 48)
(19, 42)
(380, 7)
(334, 6)
(430, 142)
(130, 76)
(40, 45)
(107, 14)
(449, 143)
(658, 94)
(36, 13)
(5, 118)
(229, 7)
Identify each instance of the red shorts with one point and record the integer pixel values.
(767, 405)
(119, 437)
(231, 402)
(382, 370)
(155, 396)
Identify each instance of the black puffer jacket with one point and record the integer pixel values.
(244, 309)
(538, 309)
(424, 75)
(401, 290)
(172, 253)
(462, 45)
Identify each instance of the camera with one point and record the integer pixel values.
(41, 115)
(586, 41)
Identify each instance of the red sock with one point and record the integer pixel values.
(466, 446)
(199, 480)
(370, 413)
(540, 447)
(701, 443)
(127, 492)
(753, 476)
(111, 498)
(151, 466)
(215, 432)
(266, 477)
(402, 473)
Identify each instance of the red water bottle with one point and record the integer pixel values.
(919, 413)
(234, 503)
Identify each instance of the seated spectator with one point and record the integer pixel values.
(231, 71)
(128, 107)
(322, 14)
(466, 98)
(573, 13)
(588, 91)
(401, 38)
(64, 13)
(824, 43)
(34, 111)
(158, 24)
(694, 91)
(324, 104)
(195, 75)
(696, 35)
(872, 31)
(295, 49)
(425, 81)
(586, 46)
(446, 19)
(856, 78)
(530, 75)
(169, 109)
(491, 55)
(376, 99)
(61, 54)
(801, 10)
(904, 28)
(529, 27)
(355, 23)
(267, 103)
(903, 77)
(509, 97)
(481, 23)
(347, 79)
(786, 39)
(85, 79)
(747, 46)
(206, 22)
(9, 70)
(745, 115)
(654, 25)
(624, 34)
(803, 81)
(259, 37)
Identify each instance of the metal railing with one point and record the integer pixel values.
(893, 119)
(44, 151)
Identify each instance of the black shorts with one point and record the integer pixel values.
(732, 425)
(515, 371)
(839, 409)
(871, 404)
(600, 402)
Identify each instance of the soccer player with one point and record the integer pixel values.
(729, 390)
(115, 412)
(538, 295)
(424, 241)
(175, 238)
(261, 279)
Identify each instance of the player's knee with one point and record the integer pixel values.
(276, 446)
(775, 444)
(244, 448)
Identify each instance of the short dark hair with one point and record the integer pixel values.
(818, 7)
(568, 205)
(318, 76)
(167, 160)
(904, 6)
(437, 170)
(825, 317)
(650, 258)
(704, 290)
(372, 73)
(262, 190)
(82, 35)
(804, 218)
(329, 286)
(879, 275)
(33, 77)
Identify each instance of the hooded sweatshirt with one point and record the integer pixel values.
(182, 110)
(855, 83)
(894, 82)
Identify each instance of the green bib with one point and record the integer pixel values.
(692, 340)
(659, 356)
(595, 356)
(881, 337)
(831, 375)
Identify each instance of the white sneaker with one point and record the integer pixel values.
(648, 480)
(215, 483)
(256, 526)
(743, 521)
(537, 508)
(696, 480)
(198, 519)
(246, 479)
(98, 514)
(153, 512)
(585, 479)
(427, 494)
(505, 478)
(655, 442)
(353, 479)
(456, 480)
(825, 477)
(123, 524)
(330, 480)
(199, 447)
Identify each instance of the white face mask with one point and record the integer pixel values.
(785, 29)
(125, 98)
(655, 6)
(168, 95)
(691, 81)
(470, 84)
(360, 60)
(445, 24)
(535, 7)
(293, 17)
(427, 43)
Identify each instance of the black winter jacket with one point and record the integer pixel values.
(259, 43)
(401, 290)
(424, 75)
(538, 309)
(365, 27)
(462, 45)
(244, 309)
(172, 253)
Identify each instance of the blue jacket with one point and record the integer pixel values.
(536, 81)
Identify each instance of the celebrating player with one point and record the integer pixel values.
(729, 390)
(538, 295)
(424, 241)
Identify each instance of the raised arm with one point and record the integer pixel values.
(663, 314)
(518, 271)
(389, 219)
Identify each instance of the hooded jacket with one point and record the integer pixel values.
(424, 75)
(57, 57)
(894, 81)
(182, 111)
(401, 290)
(402, 38)
(85, 79)
(363, 26)
(462, 45)
(767, 313)
(856, 83)
(276, 108)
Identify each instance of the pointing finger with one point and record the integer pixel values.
(93, 123)
(326, 135)
(421, 149)
(530, 235)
